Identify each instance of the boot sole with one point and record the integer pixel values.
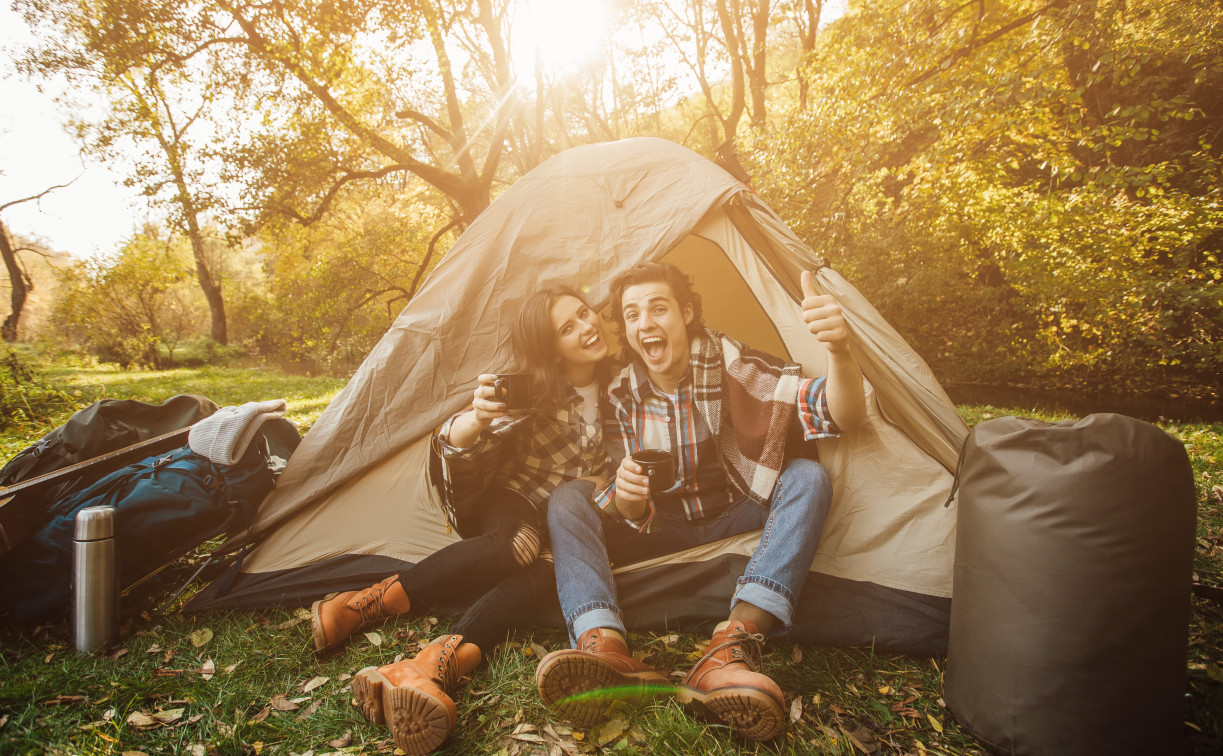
(367, 686)
(582, 689)
(418, 721)
(750, 712)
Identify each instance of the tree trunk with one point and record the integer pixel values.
(208, 283)
(19, 282)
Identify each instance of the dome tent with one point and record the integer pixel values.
(355, 503)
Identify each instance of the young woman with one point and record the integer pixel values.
(560, 340)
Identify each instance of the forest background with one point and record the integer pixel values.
(1029, 191)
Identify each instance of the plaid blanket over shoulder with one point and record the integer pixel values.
(756, 400)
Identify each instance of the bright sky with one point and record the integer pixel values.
(96, 213)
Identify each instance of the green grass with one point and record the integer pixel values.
(851, 701)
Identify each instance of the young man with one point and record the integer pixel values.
(724, 411)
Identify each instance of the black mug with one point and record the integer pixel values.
(513, 390)
(659, 466)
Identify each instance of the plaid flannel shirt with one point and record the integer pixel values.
(642, 417)
(549, 448)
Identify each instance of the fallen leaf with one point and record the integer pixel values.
(314, 682)
(232, 667)
(342, 741)
(199, 637)
(208, 670)
(539, 651)
(109, 714)
(169, 655)
(197, 749)
(856, 743)
(154, 649)
(528, 737)
(431, 621)
(140, 719)
(937, 725)
(374, 638)
(115, 653)
(301, 613)
(134, 753)
(796, 709)
(291, 623)
(168, 716)
(262, 715)
(61, 700)
(280, 703)
(524, 728)
(605, 733)
(796, 655)
(886, 690)
(3, 720)
(195, 718)
(310, 710)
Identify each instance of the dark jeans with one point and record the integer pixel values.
(487, 564)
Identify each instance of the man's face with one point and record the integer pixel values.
(655, 327)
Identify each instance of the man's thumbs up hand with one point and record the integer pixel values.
(823, 316)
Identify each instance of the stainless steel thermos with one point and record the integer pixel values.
(95, 580)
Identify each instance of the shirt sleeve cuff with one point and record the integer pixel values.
(813, 410)
(605, 500)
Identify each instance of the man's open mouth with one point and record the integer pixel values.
(653, 347)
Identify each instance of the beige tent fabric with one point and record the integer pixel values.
(357, 483)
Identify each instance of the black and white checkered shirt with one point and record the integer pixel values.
(548, 448)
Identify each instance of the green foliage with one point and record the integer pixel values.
(335, 287)
(29, 401)
(128, 307)
(1026, 193)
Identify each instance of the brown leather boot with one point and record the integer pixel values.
(339, 615)
(412, 697)
(726, 686)
(583, 683)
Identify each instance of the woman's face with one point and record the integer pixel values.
(579, 332)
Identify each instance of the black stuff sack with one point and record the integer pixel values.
(103, 427)
(1072, 579)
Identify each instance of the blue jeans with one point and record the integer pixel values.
(584, 543)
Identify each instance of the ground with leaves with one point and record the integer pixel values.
(247, 682)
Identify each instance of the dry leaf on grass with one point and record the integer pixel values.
(342, 741)
(310, 710)
(937, 725)
(232, 667)
(199, 637)
(140, 719)
(169, 716)
(262, 715)
(313, 683)
(280, 703)
(208, 670)
(605, 733)
(374, 638)
(796, 709)
(796, 655)
(61, 700)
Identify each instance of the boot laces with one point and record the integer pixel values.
(738, 643)
(447, 669)
(370, 604)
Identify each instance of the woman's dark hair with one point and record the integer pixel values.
(534, 343)
(680, 283)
